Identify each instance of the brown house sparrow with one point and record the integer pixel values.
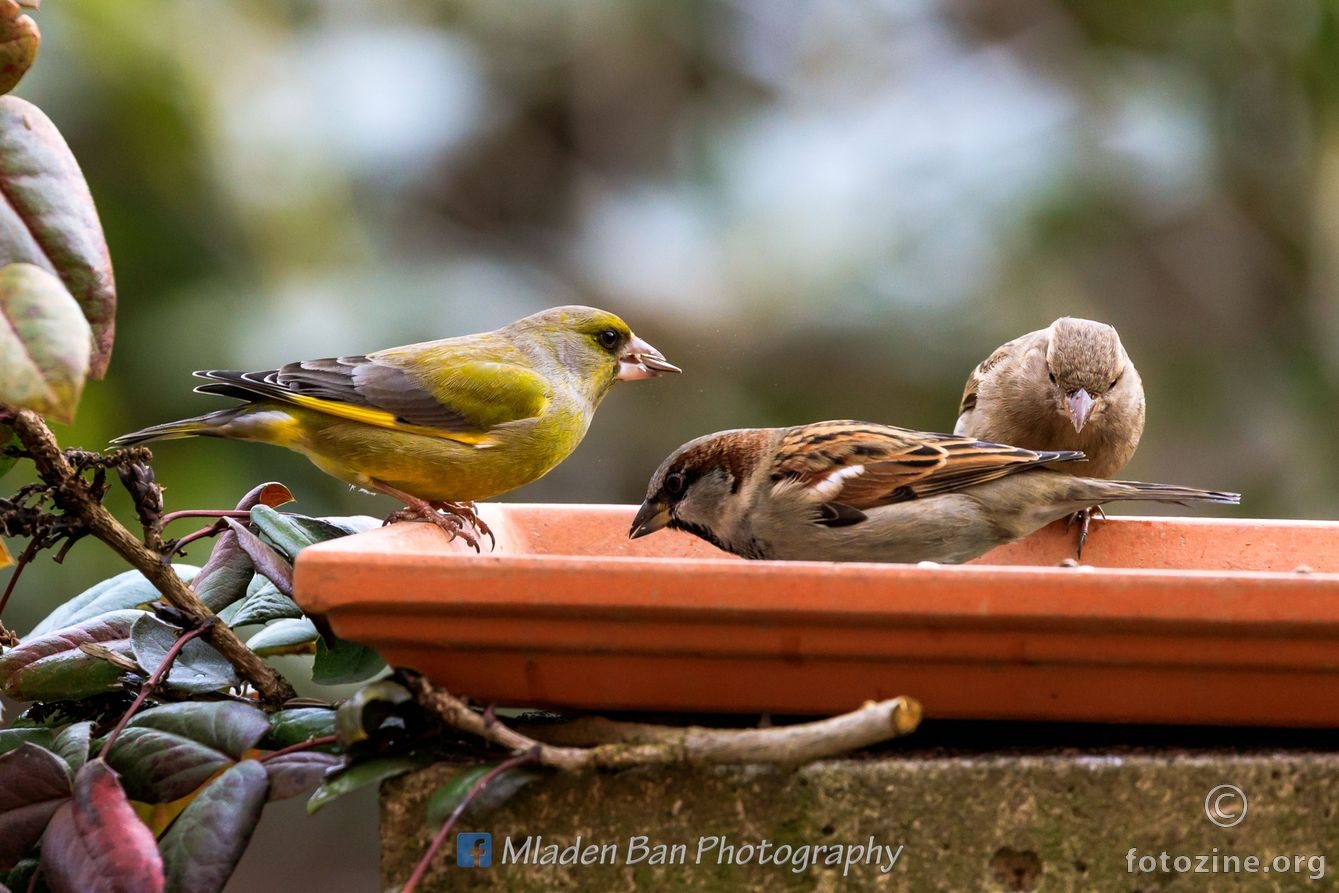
(858, 491)
(1069, 386)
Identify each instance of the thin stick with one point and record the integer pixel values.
(310, 743)
(25, 557)
(530, 756)
(204, 513)
(147, 688)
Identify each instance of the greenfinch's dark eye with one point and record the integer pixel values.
(607, 338)
(675, 483)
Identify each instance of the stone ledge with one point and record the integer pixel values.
(1044, 822)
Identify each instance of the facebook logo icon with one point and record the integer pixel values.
(474, 850)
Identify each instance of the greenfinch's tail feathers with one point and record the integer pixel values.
(207, 425)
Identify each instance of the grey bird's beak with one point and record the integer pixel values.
(640, 360)
(1080, 404)
(652, 516)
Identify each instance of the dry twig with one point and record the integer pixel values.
(617, 745)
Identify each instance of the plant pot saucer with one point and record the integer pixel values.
(1170, 620)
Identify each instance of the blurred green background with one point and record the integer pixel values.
(819, 210)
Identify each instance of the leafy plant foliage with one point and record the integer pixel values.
(201, 769)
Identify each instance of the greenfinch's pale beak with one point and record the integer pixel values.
(1080, 405)
(640, 360)
(652, 516)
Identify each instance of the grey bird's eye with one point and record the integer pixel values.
(1051, 376)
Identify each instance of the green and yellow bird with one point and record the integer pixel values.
(439, 424)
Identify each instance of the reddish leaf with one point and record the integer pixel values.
(49, 218)
(33, 783)
(269, 563)
(44, 343)
(165, 753)
(19, 40)
(159, 767)
(224, 578)
(54, 668)
(96, 843)
(203, 846)
(273, 494)
(297, 773)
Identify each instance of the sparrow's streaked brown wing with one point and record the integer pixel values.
(864, 465)
(1003, 352)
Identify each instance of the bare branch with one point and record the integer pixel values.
(623, 745)
(74, 496)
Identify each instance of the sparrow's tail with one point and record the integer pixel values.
(1116, 491)
(208, 425)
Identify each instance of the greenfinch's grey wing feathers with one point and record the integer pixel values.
(370, 390)
(865, 466)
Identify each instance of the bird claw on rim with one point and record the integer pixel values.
(455, 519)
(1083, 519)
(465, 511)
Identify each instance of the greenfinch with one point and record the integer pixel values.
(438, 424)
(857, 491)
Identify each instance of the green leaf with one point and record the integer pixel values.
(21, 877)
(289, 533)
(499, 790)
(19, 40)
(299, 724)
(54, 668)
(130, 589)
(345, 662)
(266, 603)
(48, 219)
(360, 775)
(285, 637)
(206, 841)
(44, 342)
(96, 842)
(33, 784)
(14, 738)
(72, 745)
(198, 668)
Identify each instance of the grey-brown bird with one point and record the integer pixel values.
(857, 491)
(1069, 386)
